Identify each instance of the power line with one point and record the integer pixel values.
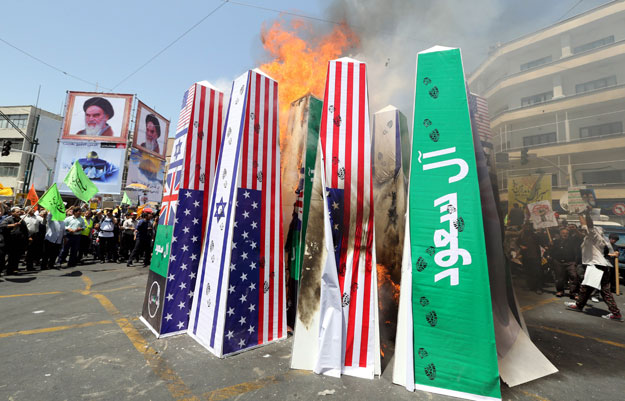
(50, 65)
(570, 9)
(287, 13)
(213, 11)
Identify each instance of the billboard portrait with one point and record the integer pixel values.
(151, 130)
(102, 162)
(145, 177)
(97, 116)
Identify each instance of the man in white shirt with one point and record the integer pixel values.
(592, 254)
(107, 238)
(55, 231)
(33, 250)
(128, 235)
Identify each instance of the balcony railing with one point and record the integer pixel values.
(571, 141)
(554, 62)
(555, 100)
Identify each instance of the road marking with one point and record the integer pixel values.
(178, 389)
(536, 396)
(243, 388)
(31, 295)
(541, 303)
(53, 329)
(568, 333)
(128, 287)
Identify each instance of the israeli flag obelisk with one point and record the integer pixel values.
(239, 300)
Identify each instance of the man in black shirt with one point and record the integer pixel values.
(142, 241)
(15, 235)
(564, 255)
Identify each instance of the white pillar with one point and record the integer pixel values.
(565, 44)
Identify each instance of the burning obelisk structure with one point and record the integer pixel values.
(239, 300)
(337, 323)
(183, 214)
(298, 168)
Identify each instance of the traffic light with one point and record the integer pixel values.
(6, 148)
(524, 157)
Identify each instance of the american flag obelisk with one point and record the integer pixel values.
(239, 298)
(345, 142)
(183, 213)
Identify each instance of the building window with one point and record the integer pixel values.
(9, 170)
(601, 130)
(596, 84)
(593, 45)
(18, 119)
(554, 180)
(535, 63)
(539, 139)
(540, 98)
(604, 177)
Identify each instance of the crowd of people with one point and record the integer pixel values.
(567, 252)
(32, 236)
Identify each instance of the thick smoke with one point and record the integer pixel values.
(392, 32)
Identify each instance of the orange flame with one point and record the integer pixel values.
(300, 65)
(384, 279)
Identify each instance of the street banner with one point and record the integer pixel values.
(524, 190)
(151, 131)
(346, 149)
(51, 200)
(183, 213)
(298, 171)
(541, 215)
(145, 177)
(79, 183)
(445, 252)
(240, 293)
(93, 116)
(102, 163)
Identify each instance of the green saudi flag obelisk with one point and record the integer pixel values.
(453, 349)
(313, 120)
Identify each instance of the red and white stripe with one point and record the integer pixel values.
(203, 139)
(346, 143)
(185, 112)
(260, 155)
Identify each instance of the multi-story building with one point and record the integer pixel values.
(560, 94)
(17, 168)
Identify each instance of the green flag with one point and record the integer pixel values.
(454, 340)
(52, 201)
(80, 184)
(126, 200)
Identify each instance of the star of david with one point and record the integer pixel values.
(221, 208)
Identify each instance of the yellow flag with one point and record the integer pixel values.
(5, 191)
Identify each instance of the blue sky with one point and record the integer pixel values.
(103, 43)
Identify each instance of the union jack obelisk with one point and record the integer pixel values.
(336, 329)
(183, 213)
(239, 300)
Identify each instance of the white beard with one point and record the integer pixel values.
(151, 145)
(95, 130)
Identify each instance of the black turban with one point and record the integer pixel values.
(102, 103)
(151, 118)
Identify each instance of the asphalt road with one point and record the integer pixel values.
(74, 334)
